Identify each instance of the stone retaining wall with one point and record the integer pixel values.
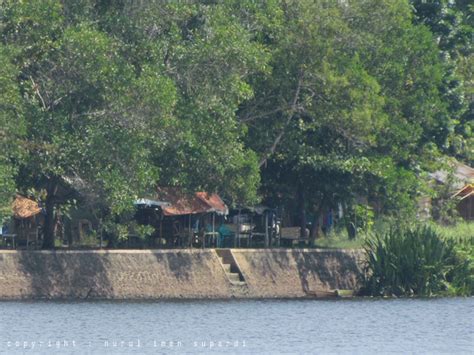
(292, 273)
(172, 274)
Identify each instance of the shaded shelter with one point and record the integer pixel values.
(182, 219)
(465, 205)
(255, 226)
(459, 183)
(24, 228)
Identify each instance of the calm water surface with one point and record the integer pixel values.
(229, 327)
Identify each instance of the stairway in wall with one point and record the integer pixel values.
(231, 268)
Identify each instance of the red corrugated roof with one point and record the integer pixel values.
(214, 201)
(183, 204)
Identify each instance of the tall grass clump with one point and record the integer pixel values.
(415, 261)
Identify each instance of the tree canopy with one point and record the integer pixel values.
(316, 102)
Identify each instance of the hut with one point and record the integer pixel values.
(253, 226)
(182, 219)
(465, 205)
(459, 184)
(24, 228)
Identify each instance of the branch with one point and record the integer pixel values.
(36, 89)
(291, 112)
(265, 114)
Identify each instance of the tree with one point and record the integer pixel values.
(451, 25)
(353, 96)
(119, 99)
(12, 128)
(77, 107)
(209, 56)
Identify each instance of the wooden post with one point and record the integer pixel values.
(203, 238)
(214, 227)
(237, 234)
(101, 229)
(249, 244)
(189, 232)
(161, 228)
(266, 229)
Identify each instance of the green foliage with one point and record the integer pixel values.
(364, 217)
(415, 261)
(462, 236)
(101, 101)
(120, 231)
(339, 239)
(451, 23)
(12, 129)
(461, 233)
(118, 100)
(343, 113)
(90, 240)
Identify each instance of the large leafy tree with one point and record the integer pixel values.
(451, 23)
(209, 56)
(80, 100)
(12, 128)
(353, 97)
(332, 100)
(119, 98)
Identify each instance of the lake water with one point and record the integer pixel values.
(229, 327)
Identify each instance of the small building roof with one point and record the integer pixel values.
(214, 202)
(24, 207)
(150, 203)
(181, 203)
(465, 192)
(462, 173)
(257, 209)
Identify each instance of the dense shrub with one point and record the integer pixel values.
(406, 261)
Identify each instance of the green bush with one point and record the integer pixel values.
(462, 233)
(408, 261)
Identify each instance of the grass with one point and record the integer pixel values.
(340, 240)
(462, 234)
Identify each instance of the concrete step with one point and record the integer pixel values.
(226, 267)
(233, 277)
(225, 260)
(238, 283)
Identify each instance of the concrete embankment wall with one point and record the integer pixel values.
(171, 274)
(292, 273)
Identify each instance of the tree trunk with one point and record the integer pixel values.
(302, 211)
(350, 222)
(314, 232)
(317, 223)
(49, 220)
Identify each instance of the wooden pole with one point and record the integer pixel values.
(190, 233)
(101, 229)
(266, 229)
(237, 235)
(203, 237)
(214, 227)
(249, 244)
(161, 228)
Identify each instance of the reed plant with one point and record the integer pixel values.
(415, 261)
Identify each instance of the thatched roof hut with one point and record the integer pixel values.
(24, 207)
